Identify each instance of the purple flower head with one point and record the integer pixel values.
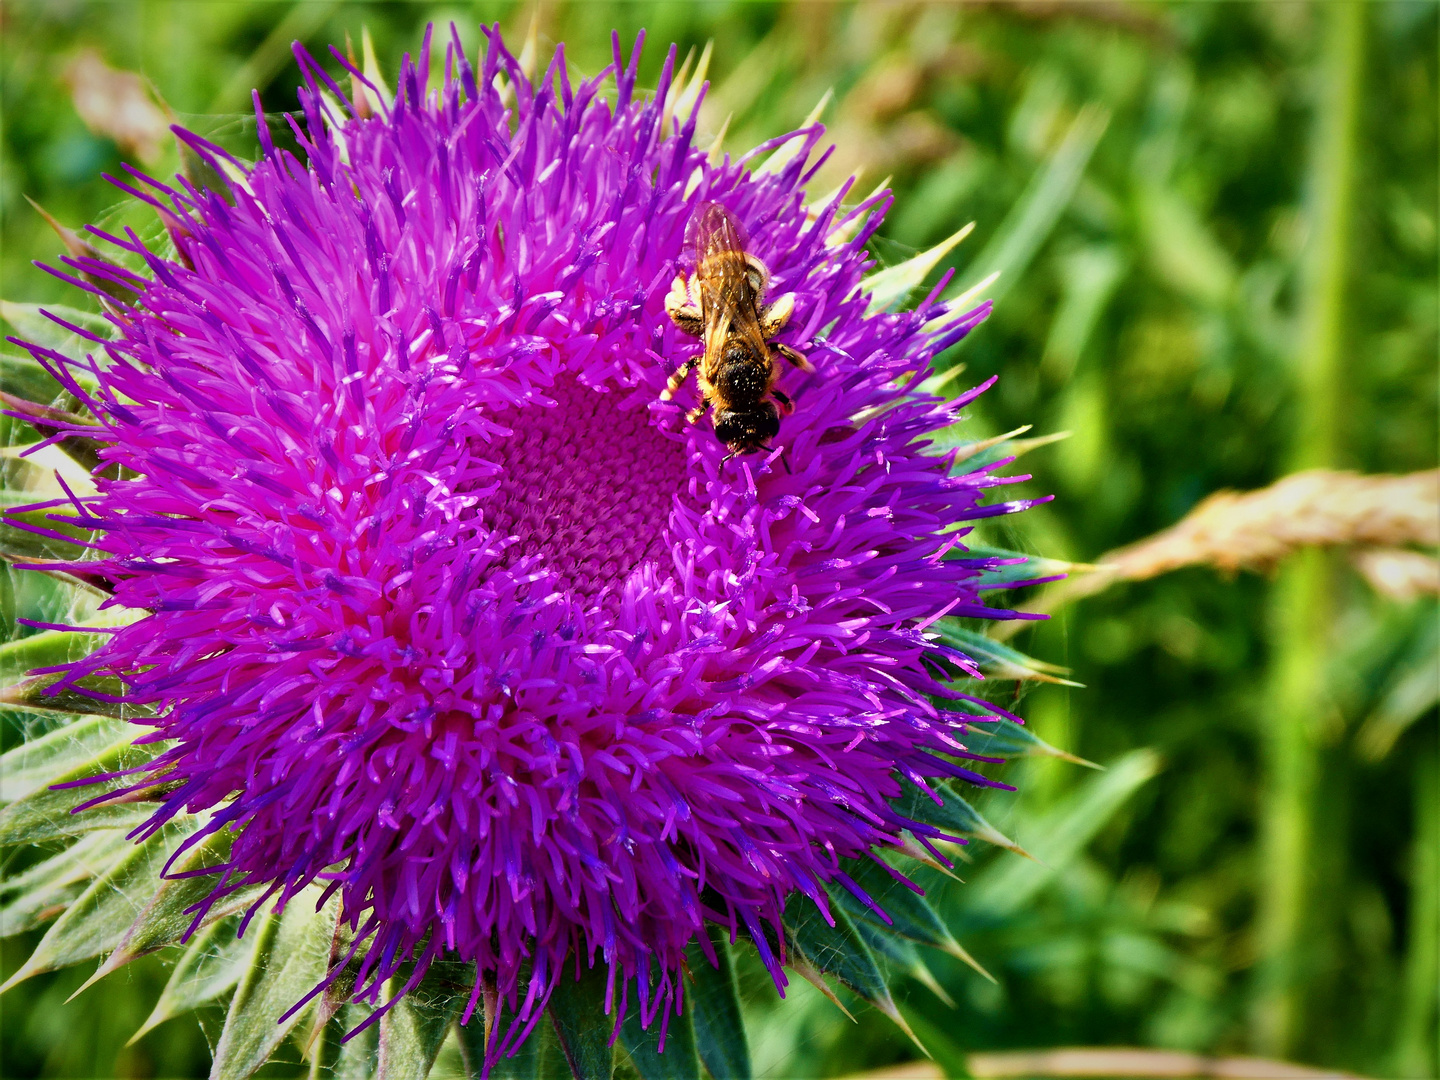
(447, 608)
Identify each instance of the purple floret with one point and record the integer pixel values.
(449, 610)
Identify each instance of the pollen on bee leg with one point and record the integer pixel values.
(679, 294)
(775, 315)
(759, 275)
(682, 304)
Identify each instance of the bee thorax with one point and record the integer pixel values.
(745, 381)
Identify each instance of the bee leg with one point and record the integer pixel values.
(683, 311)
(694, 414)
(774, 316)
(681, 374)
(796, 358)
(758, 275)
(787, 407)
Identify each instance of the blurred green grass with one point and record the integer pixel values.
(1153, 277)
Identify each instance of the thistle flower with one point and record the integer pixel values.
(439, 610)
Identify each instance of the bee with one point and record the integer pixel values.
(721, 303)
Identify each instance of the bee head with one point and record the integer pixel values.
(744, 431)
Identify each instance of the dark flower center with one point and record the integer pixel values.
(586, 485)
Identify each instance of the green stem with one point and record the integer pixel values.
(1416, 1051)
(1295, 704)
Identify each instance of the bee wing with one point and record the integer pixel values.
(723, 291)
(713, 230)
(730, 279)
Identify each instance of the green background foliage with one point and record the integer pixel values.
(1152, 179)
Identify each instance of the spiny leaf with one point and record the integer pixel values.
(1000, 660)
(902, 956)
(360, 1054)
(46, 889)
(44, 468)
(38, 694)
(1012, 448)
(65, 560)
(678, 1061)
(816, 978)
(910, 913)
(786, 152)
(714, 155)
(815, 205)
(413, 1029)
(166, 918)
(938, 385)
(892, 285)
(98, 918)
(46, 814)
(841, 951)
(77, 247)
(577, 1008)
(21, 545)
(683, 95)
(288, 959)
(957, 437)
(202, 175)
(1027, 568)
(1005, 738)
(977, 453)
(31, 325)
(531, 50)
(211, 965)
(24, 377)
(49, 648)
(372, 70)
(47, 421)
(844, 232)
(35, 908)
(41, 761)
(715, 1000)
(954, 816)
(336, 995)
(833, 950)
(911, 849)
(1061, 835)
(538, 1058)
(964, 301)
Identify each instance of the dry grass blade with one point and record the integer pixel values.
(1255, 530)
(1398, 574)
(1124, 1061)
(118, 105)
(1109, 1062)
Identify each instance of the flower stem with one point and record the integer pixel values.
(1292, 727)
